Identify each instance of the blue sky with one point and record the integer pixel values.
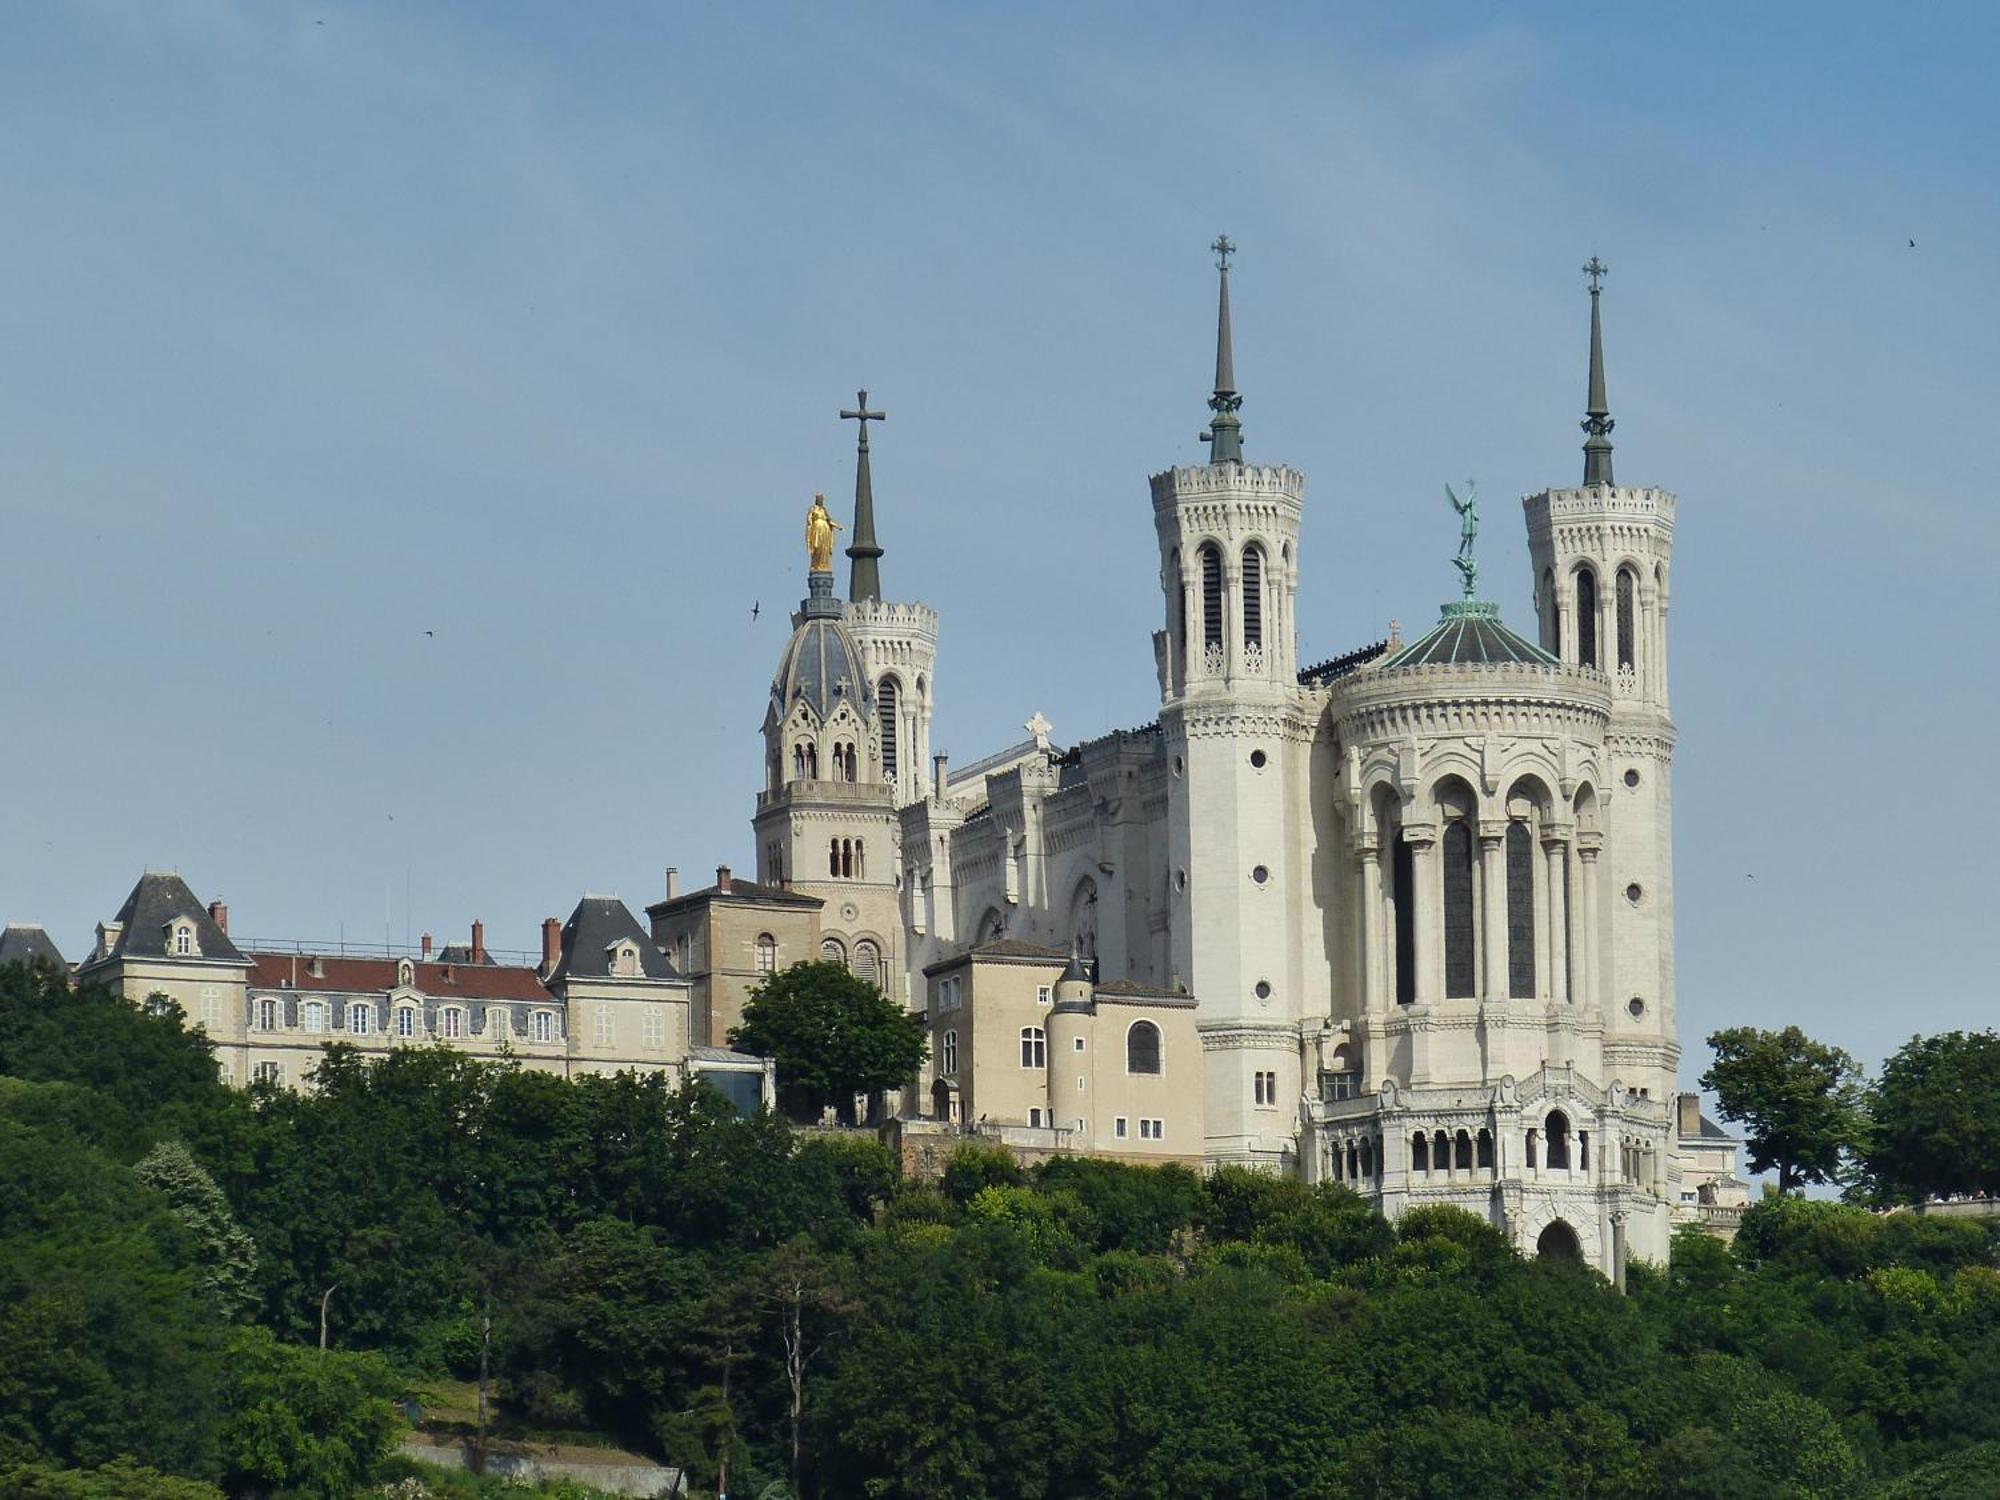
(402, 408)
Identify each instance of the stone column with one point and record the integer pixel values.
(1618, 1251)
(1565, 620)
(1368, 857)
(1426, 895)
(1588, 847)
(1493, 893)
(1555, 848)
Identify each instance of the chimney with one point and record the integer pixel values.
(673, 882)
(1690, 1114)
(938, 763)
(219, 915)
(427, 947)
(551, 944)
(722, 880)
(478, 941)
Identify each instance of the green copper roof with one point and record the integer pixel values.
(1469, 632)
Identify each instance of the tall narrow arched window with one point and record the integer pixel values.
(1253, 596)
(1551, 613)
(1403, 898)
(1142, 1048)
(1520, 911)
(1626, 604)
(867, 962)
(1586, 617)
(888, 704)
(1558, 1139)
(1420, 1152)
(860, 860)
(833, 858)
(767, 953)
(832, 952)
(1211, 595)
(1460, 972)
(1180, 604)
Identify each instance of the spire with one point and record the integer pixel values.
(864, 579)
(1597, 424)
(1225, 434)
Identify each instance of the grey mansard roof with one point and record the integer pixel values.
(821, 664)
(25, 943)
(597, 923)
(156, 901)
(1469, 632)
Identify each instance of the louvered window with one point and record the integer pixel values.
(1459, 971)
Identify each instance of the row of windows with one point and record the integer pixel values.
(1149, 1130)
(866, 962)
(452, 1022)
(846, 859)
(1143, 1049)
(1208, 562)
(1624, 614)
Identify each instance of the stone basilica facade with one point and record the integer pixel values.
(1402, 920)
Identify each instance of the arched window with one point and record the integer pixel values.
(860, 860)
(1180, 606)
(1211, 595)
(1034, 1047)
(888, 703)
(1558, 1129)
(1441, 1152)
(799, 762)
(853, 763)
(1368, 1158)
(847, 857)
(767, 953)
(833, 858)
(1551, 613)
(312, 1016)
(831, 951)
(1583, 1150)
(1403, 899)
(1462, 1155)
(868, 961)
(1353, 1161)
(1586, 617)
(1142, 1048)
(1625, 607)
(1460, 973)
(1520, 911)
(1253, 595)
(1530, 1143)
(1483, 1149)
(1420, 1152)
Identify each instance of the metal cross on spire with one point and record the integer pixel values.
(1597, 421)
(1225, 432)
(864, 577)
(1597, 270)
(1224, 247)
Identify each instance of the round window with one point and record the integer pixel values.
(1179, 767)
(1257, 759)
(1633, 892)
(1263, 989)
(1631, 778)
(1636, 1006)
(1260, 874)
(1180, 880)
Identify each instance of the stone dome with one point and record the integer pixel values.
(821, 665)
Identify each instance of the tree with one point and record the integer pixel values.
(1799, 1100)
(1935, 1118)
(833, 1035)
(307, 1422)
(226, 1255)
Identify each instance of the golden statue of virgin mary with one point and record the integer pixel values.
(820, 527)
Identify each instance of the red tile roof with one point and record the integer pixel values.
(360, 976)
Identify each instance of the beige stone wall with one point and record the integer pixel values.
(719, 940)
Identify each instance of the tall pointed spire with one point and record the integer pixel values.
(1225, 434)
(1597, 424)
(864, 579)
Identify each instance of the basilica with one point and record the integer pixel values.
(1401, 920)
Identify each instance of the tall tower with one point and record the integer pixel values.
(825, 821)
(898, 641)
(1237, 743)
(1602, 555)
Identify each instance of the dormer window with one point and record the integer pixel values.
(624, 961)
(184, 940)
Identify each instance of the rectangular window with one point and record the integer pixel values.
(406, 1021)
(1034, 1047)
(312, 1016)
(1076, 1043)
(267, 1015)
(1035, 1118)
(604, 1028)
(1118, 1127)
(361, 1019)
(1334, 1087)
(1079, 1083)
(211, 1006)
(1152, 1130)
(454, 1021)
(950, 1056)
(545, 1026)
(183, 942)
(1267, 1088)
(1045, 994)
(654, 1029)
(269, 1072)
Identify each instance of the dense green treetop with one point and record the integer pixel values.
(833, 1036)
(1799, 1101)
(1934, 1119)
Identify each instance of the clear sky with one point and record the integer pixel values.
(403, 407)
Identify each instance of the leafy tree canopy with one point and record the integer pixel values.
(1799, 1101)
(833, 1035)
(1935, 1119)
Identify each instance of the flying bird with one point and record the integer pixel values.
(756, 608)
(431, 633)
(1913, 244)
